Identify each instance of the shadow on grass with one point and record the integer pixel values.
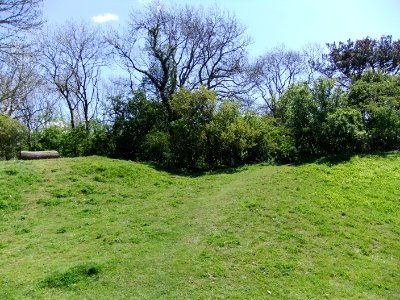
(332, 160)
(329, 160)
(70, 277)
(194, 173)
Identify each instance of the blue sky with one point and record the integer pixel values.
(269, 22)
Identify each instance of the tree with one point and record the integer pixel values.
(18, 80)
(23, 92)
(189, 131)
(274, 72)
(72, 57)
(16, 18)
(133, 118)
(305, 110)
(35, 112)
(18, 74)
(343, 131)
(353, 58)
(300, 119)
(12, 135)
(314, 62)
(173, 47)
(377, 96)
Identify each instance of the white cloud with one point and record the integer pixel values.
(105, 18)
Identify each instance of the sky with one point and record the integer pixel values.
(269, 23)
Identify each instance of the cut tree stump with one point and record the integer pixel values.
(25, 155)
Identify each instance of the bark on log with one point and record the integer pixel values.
(25, 155)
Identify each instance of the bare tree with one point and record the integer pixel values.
(274, 72)
(315, 62)
(16, 18)
(36, 112)
(72, 57)
(169, 47)
(23, 94)
(18, 80)
(18, 75)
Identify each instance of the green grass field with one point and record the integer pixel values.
(96, 228)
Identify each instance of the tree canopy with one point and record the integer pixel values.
(171, 47)
(352, 58)
(16, 18)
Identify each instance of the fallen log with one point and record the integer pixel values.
(25, 155)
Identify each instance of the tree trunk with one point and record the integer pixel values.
(26, 155)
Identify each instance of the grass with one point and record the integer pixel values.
(96, 228)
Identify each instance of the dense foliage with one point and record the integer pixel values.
(206, 133)
(311, 121)
(12, 135)
(193, 99)
(353, 58)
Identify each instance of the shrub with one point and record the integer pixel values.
(156, 147)
(344, 131)
(188, 133)
(301, 120)
(49, 138)
(231, 137)
(377, 96)
(74, 142)
(132, 119)
(383, 128)
(270, 142)
(100, 141)
(12, 136)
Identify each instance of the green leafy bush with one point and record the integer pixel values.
(156, 147)
(12, 136)
(270, 143)
(100, 140)
(300, 120)
(232, 137)
(49, 138)
(188, 133)
(377, 96)
(383, 128)
(344, 131)
(75, 142)
(132, 119)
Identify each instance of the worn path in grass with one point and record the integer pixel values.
(99, 228)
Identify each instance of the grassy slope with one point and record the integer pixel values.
(97, 228)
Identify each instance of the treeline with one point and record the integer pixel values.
(191, 97)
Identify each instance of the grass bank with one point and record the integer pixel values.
(96, 228)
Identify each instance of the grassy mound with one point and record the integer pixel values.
(98, 228)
